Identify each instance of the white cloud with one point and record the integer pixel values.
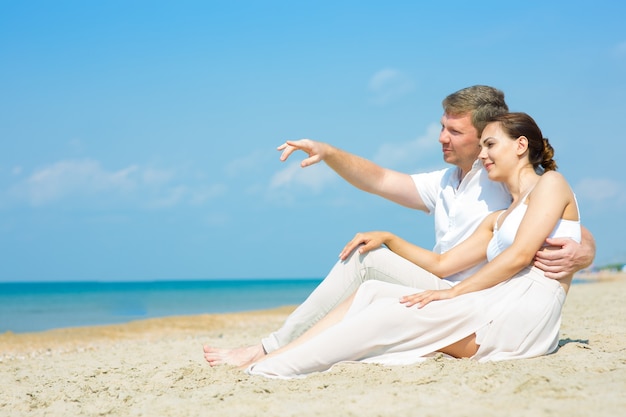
(313, 178)
(152, 176)
(600, 190)
(201, 194)
(401, 154)
(84, 179)
(174, 195)
(388, 85)
(170, 197)
(244, 165)
(73, 177)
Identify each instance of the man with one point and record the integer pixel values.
(459, 197)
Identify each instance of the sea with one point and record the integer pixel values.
(38, 306)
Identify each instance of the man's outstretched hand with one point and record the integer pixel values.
(315, 150)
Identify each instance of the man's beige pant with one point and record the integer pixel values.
(342, 281)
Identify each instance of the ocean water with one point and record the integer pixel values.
(31, 307)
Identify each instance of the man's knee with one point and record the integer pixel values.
(374, 257)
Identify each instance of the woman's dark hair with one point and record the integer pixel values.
(540, 152)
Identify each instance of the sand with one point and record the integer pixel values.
(156, 368)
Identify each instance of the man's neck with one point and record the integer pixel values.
(464, 170)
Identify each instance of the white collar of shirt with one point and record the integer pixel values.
(458, 182)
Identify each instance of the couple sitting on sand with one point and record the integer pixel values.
(508, 241)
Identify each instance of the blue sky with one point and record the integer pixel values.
(138, 139)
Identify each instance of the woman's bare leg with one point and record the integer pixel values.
(464, 348)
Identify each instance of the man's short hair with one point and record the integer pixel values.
(481, 101)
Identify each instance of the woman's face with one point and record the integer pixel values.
(498, 152)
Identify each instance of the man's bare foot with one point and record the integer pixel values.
(238, 357)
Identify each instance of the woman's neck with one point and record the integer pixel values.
(521, 182)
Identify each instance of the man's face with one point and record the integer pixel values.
(459, 141)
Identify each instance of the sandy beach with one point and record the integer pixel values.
(156, 368)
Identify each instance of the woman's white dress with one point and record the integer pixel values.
(518, 318)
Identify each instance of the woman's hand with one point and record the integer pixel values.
(425, 297)
(365, 242)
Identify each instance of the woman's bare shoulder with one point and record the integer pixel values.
(552, 179)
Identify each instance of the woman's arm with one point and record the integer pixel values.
(546, 207)
(463, 256)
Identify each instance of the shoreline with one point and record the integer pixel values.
(68, 338)
(582, 278)
(155, 367)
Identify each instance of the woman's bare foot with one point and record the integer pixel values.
(238, 357)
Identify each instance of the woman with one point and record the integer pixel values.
(506, 310)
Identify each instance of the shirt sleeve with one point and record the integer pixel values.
(429, 185)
